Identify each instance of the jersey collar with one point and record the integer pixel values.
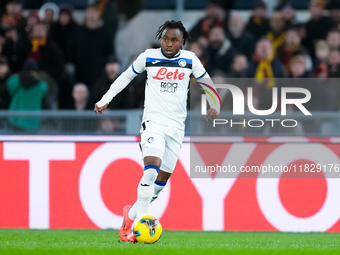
(177, 55)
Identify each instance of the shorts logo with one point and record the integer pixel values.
(151, 140)
(169, 87)
(182, 63)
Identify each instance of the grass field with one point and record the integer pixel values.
(172, 242)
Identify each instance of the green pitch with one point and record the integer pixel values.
(172, 242)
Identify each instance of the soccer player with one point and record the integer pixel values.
(168, 74)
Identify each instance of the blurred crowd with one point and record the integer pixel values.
(267, 48)
(49, 61)
(65, 63)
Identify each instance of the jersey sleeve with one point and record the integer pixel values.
(138, 66)
(198, 69)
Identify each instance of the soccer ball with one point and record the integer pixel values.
(147, 229)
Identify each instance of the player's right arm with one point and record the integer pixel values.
(137, 67)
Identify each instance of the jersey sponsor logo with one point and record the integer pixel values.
(182, 63)
(169, 87)
(155, 62)
(163, 73)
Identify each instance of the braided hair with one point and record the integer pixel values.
(172, 24)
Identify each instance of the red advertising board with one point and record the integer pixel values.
(83, 183)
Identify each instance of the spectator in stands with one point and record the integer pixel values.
(14, 15)
(277, 31)
(137, 87)
(15, 49)
(27, 92)
(264, 65)
(320, 62)
(241, 40)
(5, 73)
(258, 23)
(226, 5)
(318, 26)
(239, 67)
(332, 85)
(264, 68)
(123, 99)
(81, 96)
(214, 16)
(7, 22)
(196, 48)
(48, 13)
(288, 14)
(334, 64)
(220, 52)
(63, 30)
(46, 52)
(129, 8)
(51, 96)
(297, 67)
(333, 40)
(320, 101)
(32, 19)
(108, 11)
(334, 7)
(3, 7)
(291, 47)
(96, 42)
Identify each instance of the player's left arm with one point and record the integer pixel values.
(208, 86)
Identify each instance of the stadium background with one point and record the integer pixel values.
(63, 167)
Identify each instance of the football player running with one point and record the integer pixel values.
(168, 74)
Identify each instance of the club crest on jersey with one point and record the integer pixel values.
(151, 140)
(182, 63)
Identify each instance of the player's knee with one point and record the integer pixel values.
(152, 160)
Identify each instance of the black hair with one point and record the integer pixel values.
(333, 30)
(172, 24)
(112, 59)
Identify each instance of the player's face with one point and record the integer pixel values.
(172, 41)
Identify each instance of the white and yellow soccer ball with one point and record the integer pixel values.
(147, 229)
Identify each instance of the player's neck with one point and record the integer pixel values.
(174, 56)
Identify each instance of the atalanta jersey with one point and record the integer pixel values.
(167, 84)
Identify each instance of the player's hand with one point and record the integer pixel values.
(99, 109)
(211, 114)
